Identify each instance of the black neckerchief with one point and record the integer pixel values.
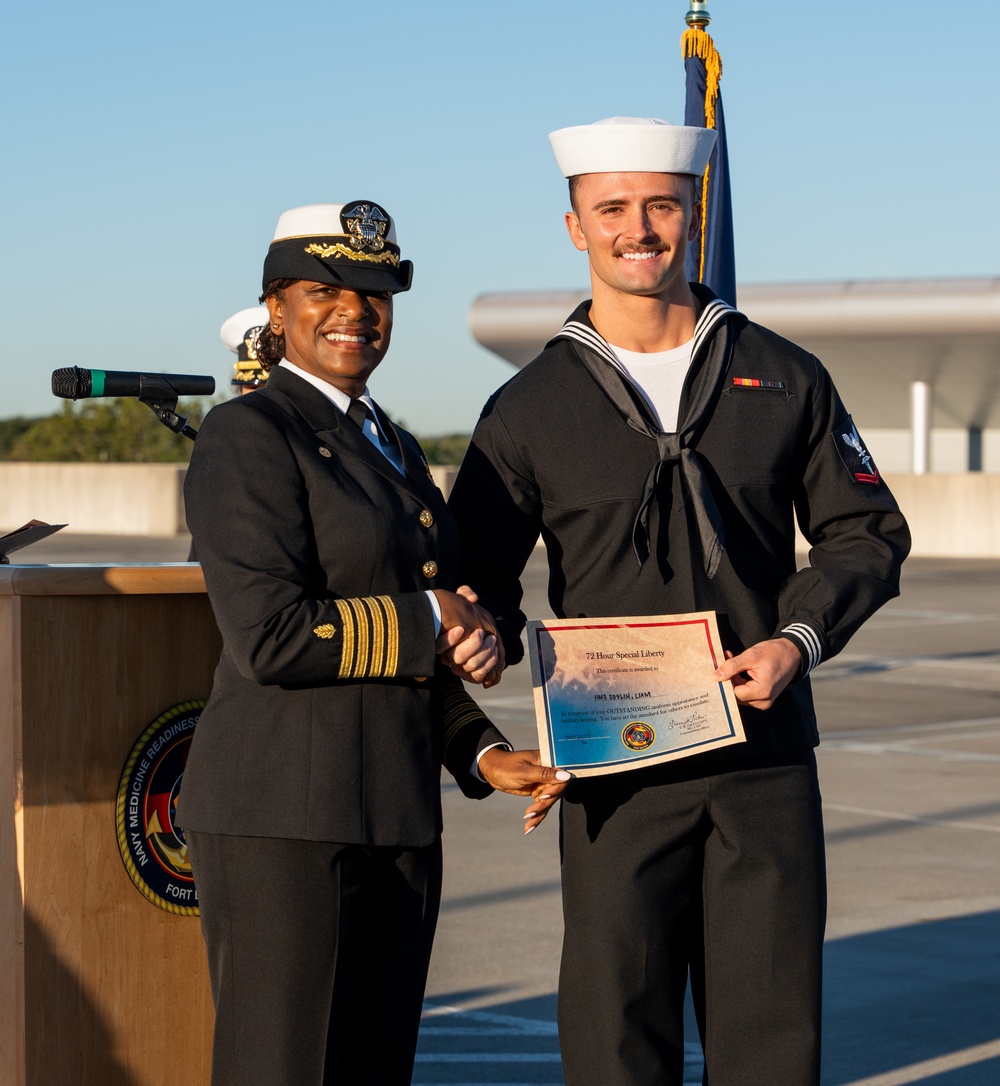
(711, 353)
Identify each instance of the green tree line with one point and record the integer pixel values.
(126, 431)
(115, 431)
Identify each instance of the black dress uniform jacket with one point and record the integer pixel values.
(328, 720)
(553, 453)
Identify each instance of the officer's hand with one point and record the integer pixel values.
(521, 773)
(469, 643)
(761, 672)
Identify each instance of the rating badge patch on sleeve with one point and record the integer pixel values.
(855, 456)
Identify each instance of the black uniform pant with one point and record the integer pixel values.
(318, 957)
(723, 874)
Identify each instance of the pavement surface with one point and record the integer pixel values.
(910, 771)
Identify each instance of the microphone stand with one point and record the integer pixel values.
(158, 395)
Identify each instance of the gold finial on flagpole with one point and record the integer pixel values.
(698, 15)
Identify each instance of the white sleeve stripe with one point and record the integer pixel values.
(808, 636)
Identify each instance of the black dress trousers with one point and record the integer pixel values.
(326, 944)
(725, 873)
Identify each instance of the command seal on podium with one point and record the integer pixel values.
(151, 843)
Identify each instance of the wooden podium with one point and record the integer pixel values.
(98, 985)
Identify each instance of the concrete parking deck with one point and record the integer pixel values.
(910, 769)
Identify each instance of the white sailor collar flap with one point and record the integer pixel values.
(715, 351)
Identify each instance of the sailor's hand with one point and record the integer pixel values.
(761, 672)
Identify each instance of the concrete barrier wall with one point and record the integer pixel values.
(950, 516)
(104, 499)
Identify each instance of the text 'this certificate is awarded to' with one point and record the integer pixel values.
(619, 693)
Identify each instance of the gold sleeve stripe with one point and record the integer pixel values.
(347, 650)
(362, 660)
(391, 636)
(459, 710)
(370, 638)
(378, 636)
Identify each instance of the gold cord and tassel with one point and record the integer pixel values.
(696, 42)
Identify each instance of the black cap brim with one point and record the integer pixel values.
(286, 259)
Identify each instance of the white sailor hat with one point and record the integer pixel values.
(352, 244)
(239, 334)
(632, 145)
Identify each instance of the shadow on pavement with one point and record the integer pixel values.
(925, 992)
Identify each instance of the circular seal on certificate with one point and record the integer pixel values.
(152, 845)
(638, 735)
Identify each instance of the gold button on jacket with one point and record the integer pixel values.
(430, 569)
(426, 518)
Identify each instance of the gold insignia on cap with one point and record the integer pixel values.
(324, 451)
(426, 518)
(324, 252)
(326, 631)
(367, 224)
(430, 569)
(252, 343)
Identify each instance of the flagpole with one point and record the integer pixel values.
(712, 259)
(698, 15)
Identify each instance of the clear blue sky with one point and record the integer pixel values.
(149, 149)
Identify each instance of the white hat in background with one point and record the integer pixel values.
(239, 335)
(632, 145)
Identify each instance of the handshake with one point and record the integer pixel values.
(469, 643)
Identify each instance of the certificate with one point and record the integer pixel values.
(621, 693)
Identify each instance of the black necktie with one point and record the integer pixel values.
(357, 412)
(672, 448)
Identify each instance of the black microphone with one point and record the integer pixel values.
(74, 383)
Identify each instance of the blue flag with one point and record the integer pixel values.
(712, 258)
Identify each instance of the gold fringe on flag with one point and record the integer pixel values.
(696, 42)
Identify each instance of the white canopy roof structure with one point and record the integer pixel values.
(903, 353)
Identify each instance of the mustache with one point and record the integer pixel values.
(619, 250)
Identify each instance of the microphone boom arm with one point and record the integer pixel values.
(159, 396)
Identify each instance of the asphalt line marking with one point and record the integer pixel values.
(535, 1027)
(515, 701)
(844, 747)
(488, 1057)
(919, 1072)
(919, 819)
(903, 618)
(481, 1031)
(509, 1025)
(931, 682)
(938, 725)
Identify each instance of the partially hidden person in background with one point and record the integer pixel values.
(311, 799)
(240, 334)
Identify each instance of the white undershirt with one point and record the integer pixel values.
(659, 376)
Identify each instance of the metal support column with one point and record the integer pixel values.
(920, 427)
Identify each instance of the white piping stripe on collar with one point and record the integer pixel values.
(591, 338)
(713, 313)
